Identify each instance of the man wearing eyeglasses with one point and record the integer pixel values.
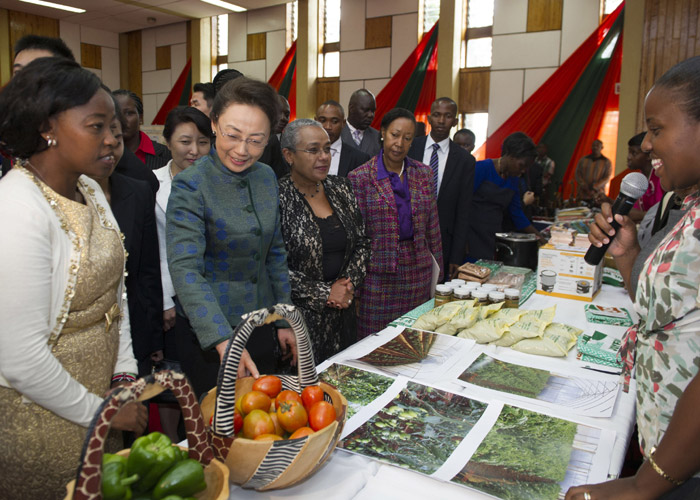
(344, 156)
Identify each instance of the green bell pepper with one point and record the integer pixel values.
(185, 478)
(151, 456)
(115, 481)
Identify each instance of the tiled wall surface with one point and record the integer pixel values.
(74, 35)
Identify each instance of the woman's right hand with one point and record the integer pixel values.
(341, 294)
(246, 367)
(131, 417)
(601, 230)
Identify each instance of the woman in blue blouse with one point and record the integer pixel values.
(225, 249)
(496, 191)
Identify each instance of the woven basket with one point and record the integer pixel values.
(267, 465)
(87, 485)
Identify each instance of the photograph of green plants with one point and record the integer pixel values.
(419, 429)
(359, 387)
(524, 456)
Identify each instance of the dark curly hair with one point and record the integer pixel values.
(684, 79)
(187, 114)
(248, 91)
(44, 88)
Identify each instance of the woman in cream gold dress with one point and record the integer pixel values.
(62, 341)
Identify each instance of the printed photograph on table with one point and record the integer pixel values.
(584, 396)
(415, 354)
(419, 429)
(528, 455)
(359, 387)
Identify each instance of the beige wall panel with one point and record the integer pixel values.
(404, 38)
(269, 19)
(579, 19)
(527, 50)
(148, 50)
(375, 86)
(157, 81)
(99, 37)
(178, 59)
(237, 35)
(275, 51)
(347, 87)
(534, 78)
(365, 64)
(171, 34)
(509, 16)
(150, 107)
(352, 25)
(378, 8)
(70, 33)
(505, 96)
(253, 69)
(110, 67)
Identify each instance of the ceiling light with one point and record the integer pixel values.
(226, 5)
(54, 5)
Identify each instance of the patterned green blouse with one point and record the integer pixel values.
(225, 249)
(668, 334)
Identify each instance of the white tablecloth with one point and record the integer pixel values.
(347, 475)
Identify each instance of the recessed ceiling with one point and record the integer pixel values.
(120, 16)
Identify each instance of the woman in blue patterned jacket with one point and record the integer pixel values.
(225, 249)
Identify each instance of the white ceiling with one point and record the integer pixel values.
(120, 16)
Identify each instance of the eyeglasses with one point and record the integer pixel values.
(234, 140)
(316, 151)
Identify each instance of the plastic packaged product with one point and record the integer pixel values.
(487, 310)
(466, 318)
(443, 295)
(482, 297)
(462, 293)
(438, 316)
(521, 330)
(562, 328)
(544, 315)
(485, 331)
(512, 298)
(510, 316)
(553, 343)
(496, 297)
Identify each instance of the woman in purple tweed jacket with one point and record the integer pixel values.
(396, 196)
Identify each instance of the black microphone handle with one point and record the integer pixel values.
(623, 204)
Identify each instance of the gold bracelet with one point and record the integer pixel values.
(659, 470)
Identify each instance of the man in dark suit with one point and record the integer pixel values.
(453, 171)
(357, 129)
(345, 157)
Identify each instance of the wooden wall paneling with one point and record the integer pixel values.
(6, 54)
(326, 89)
(474, 90)
(544, 15)
(378, 32)
(163, 57)
(134, 54)
(256, 46)
(22, 23)
(90, 56)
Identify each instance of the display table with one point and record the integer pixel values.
(347, 475)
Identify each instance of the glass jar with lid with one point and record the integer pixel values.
(443, 295)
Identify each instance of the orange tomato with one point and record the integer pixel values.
(287, 395)
(269, 384)
(254, 400)
(257, 422)
(278, 428)
(301, 432)
(321, 415)
(292, 415)
(311, 395)
(268, 437)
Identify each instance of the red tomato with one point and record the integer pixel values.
(237, 422)
(257, 422)
(322, 415)
(287, 396)
(278, 428)
(292, 415)
(311, 395)
(254, 400)
(268, 437)
(269, 384)
(301, 432)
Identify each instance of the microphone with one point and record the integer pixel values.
(633, 186)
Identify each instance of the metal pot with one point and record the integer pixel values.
(517, 249)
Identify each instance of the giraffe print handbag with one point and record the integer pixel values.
(87, 485)
(267, 465)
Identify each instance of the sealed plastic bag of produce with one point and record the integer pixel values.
(546, 316)
(522, 329)
(439, 316)
(465, 318)
(485, 331)
(510, 316)
(489, 309)
(555, 342)
(562, 328)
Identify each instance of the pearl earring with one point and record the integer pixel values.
(50, 141)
